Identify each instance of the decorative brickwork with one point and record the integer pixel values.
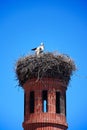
(50, 120)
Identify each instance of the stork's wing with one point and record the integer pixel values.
(33, 49)
(40, 50)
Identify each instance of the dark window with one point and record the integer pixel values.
(57, 102)
(65, 102)
(44, 101)
(24, 103)
(31, 102)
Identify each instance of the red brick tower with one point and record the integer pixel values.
(44, 80)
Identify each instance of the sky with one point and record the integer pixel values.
(62, 26)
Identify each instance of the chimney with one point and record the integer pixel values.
(45, 80)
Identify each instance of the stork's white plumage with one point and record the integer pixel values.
(39, 50)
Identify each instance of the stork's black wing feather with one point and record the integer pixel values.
(33, 49)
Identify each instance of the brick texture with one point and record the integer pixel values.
(49, 120)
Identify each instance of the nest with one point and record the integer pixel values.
(47, 65)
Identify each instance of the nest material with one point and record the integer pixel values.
(47, 65)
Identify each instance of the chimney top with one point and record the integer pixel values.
(48, 65)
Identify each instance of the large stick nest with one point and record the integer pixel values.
(47, 65)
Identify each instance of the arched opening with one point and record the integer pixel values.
(44, 101)
(31, 102)
(24, 103)
(57, 102)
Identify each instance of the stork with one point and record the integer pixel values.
(39, 50)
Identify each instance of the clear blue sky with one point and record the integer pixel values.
(62, 26)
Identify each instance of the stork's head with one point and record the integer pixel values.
(42, 44)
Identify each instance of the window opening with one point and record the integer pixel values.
(65, 102)
(57, 102)
(31, 103)
(44, 101)
(24, 103)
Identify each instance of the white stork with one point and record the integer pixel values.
(39, 50)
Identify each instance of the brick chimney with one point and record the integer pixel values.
(44, 80)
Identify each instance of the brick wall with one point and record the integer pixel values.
(49, 120)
